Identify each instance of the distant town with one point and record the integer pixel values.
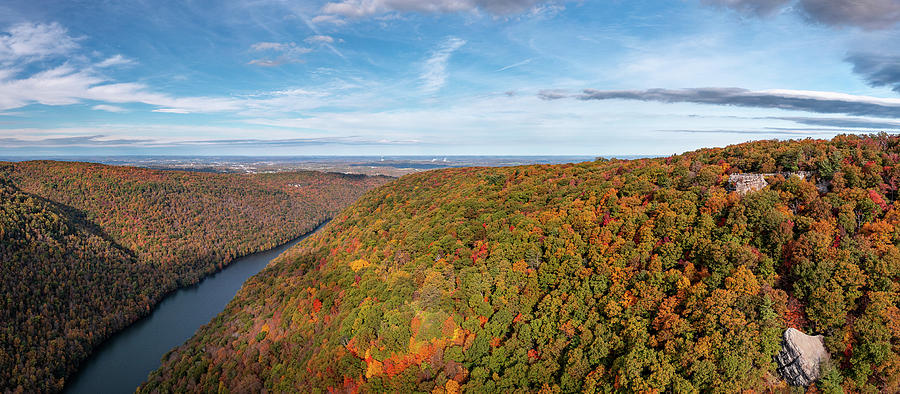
(394, 166)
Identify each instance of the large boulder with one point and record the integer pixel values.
(800, 357)
(745, 183)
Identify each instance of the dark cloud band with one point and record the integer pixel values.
(867, 14)
(844, 123)
(818, 102)
(877, 70)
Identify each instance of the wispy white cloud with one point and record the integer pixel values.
(108, 108)
(527, 116)
(114, 61)
(327, 42)
(27, 42)
(82, 140)
(172, 110)
(319, 39)
(492, 124)
(514, 65)
(699, 60)
(365, 8)
(62, 85)
(434, 76)
(273, 46)
(66, 85)
(281, 53)
(267, 62)
(328, 19)
(63, 138)
(76, 82)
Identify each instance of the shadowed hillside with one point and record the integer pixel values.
(87, 249)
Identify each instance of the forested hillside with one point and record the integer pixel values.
(644, 275)
(86, 248)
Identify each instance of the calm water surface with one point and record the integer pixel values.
(123, 362)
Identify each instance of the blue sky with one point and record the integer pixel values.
(442, 77)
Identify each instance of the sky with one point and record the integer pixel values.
(440, 77)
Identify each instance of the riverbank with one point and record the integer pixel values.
(122, 362)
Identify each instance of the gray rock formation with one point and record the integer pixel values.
(751, 182)
(800, 356)
(823, 185)
(745, 183)
(801, 174)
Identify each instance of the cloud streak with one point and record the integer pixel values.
(100, 140)
(514, 65)
(280, 53)
(88, 140)
(117, 60)
(108, 108)
(434, 76)
(796, 100)
(319, 39)
(333, 11)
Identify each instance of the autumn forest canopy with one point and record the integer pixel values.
(647, 275)
(86, 249)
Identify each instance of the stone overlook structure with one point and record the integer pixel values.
(750, 182)
(800, 357)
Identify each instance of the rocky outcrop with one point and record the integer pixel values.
(746, 183)
(823, 185)
(800, 357)
(751, 182)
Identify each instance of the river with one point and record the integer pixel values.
(122, 362)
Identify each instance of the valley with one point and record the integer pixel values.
(123, 361)
(87, 249)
